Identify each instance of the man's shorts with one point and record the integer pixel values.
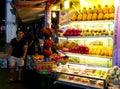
(14, 61)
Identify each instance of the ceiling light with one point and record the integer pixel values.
(54, 15)
(66, 4)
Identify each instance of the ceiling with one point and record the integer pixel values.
(29, 10)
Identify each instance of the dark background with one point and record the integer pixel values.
(2, 11)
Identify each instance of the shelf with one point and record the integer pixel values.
(86, 37)
(78, 84)
(87, 55)
(88, 22)
(86, 76)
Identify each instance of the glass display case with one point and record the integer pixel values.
(93, 52)
(83, 76)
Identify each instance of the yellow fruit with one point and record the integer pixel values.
(111, 15)
(100, 16)
(74, 17)
(79, 17)
(98, 52)
(112, 9)
(94, 9)
(110, 53)
(59, 45)
(100, 10)
(106, 52)
(84, 11)
(89, 16)
(106, 16)
(102, 52)
(94, 51)
(84, 17)
(94, 16)
(106, 9)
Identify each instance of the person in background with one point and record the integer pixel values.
(17, 53)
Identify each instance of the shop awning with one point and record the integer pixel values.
(29, 10)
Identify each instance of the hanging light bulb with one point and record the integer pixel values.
(54, 15)
(66, 4)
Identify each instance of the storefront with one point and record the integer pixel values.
(89, 35)
(88, 48)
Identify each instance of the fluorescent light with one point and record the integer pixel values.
(54, 15)
(66, 4)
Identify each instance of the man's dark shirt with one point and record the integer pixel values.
(17, 47)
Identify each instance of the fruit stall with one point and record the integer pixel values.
(88, 34)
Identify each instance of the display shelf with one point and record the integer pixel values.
(88, 59)
(85, 76)
(87, 84)
(86, 37)
(78, 84)
(87, 55)
(87, 22)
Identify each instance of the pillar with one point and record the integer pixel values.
(11, 27)
(116, 52)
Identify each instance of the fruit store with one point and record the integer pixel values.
(88, 33)
(87, 51)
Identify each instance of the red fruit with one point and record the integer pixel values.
(40, 68)
(48, 43)
(49, 70)
(47, 52)
(71, 77)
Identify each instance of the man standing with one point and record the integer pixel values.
(17, 52)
